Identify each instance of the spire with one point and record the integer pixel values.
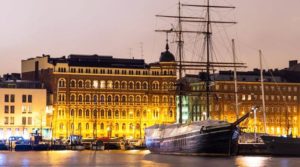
(167, 41)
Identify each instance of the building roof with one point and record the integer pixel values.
(99, 61)
(21, 84)
(166, 56)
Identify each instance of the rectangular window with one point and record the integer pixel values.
(12, 98)
(6, 98)
(23, 120)
(29, 109)
(6, 109)
(23, 109)
(24, 98)
(29, 98)
(12, 109)
(29, 121)
(5, 120)
(12, 120)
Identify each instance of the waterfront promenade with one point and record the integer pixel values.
(134, 158)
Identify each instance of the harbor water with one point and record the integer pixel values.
(134, 158)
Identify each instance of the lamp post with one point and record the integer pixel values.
(254, 109)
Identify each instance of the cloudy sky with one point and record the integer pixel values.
(118, 27)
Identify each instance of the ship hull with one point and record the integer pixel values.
(218, 142)
(282, 146)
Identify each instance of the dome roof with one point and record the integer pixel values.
(166, 56)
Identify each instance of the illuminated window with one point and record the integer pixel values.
(117, 126)
(123, 126)
(109, 84)
(102, 84)
(61, 83)
(95, 84)
(116, 114)
(87, 126)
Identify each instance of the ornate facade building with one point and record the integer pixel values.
(102, 96)
(282, 99)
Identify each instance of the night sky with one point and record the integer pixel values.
(118, 27)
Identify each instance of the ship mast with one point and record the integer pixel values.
(179, 33)
(192, 65)
(208, 34)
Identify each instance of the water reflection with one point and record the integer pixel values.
(135, 158)
(248, 161)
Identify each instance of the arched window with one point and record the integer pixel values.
(95, 113)
(73, 83)
(145, 85)
(72, 126)
(101, 126)
(138, 113)
(72, 98)
(87, 113)
(95, 98)
(155, 85)
(102, 99)
(87, 126)
(102, 84)
(109, 84)
(80, 98)
(123, 99)
(124, 85)
(72, 112)
(61, 83)
(138, 99)
(165, 99)
(145, 114)
(138, 126)
(170, 113)
(88, 84)
(109, 98)
(145, 99)
(131, 99)
(131, 85)
(61, 126)
(171, 86)
(123, 126)
(165, 86)
(116, 114)
(109, 114)
(123, 113)
(116, 99)
(102, 113)
(87, 98)
(117, 85)
(117, 126)
(80, 113)
(80, 84)
(79, 126)
(138, 85)
(130, 126)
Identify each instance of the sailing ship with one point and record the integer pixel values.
(279, 145)
(204, 137)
